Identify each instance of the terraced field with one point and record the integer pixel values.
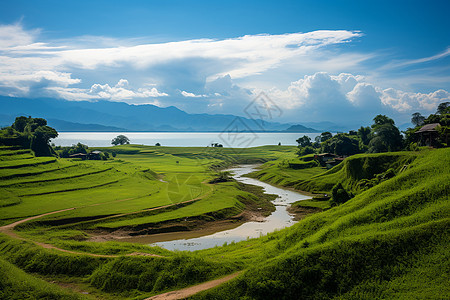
(390, 241)
(125, 191)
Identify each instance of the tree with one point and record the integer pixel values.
(120, 140)
(341, 144)
(304, 141)
(364, 134)
(20, 123)
(443, 108)
(382, 120)
(31, 133)
(386, 135)
(157, 144)
(417, 119)
(305, 150)
(40, 140)
(325, 136)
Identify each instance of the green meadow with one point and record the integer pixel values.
(389, 241)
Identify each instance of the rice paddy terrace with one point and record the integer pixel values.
(389, 241)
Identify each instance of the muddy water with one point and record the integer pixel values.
(280, 218)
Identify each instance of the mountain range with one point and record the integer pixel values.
(111, 116)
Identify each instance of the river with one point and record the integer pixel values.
(279, 219)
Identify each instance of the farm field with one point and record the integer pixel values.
(142, 185)
(393, 233)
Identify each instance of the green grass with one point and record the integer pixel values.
(322, 204)
(16, 284)
(365, 248)
(388, 242)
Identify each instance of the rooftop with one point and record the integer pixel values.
(429, 127)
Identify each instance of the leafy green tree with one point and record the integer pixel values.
(386, 136)
(304, 141)
(32, 133)
(20, 123)
(341, 144)
(382, 120)
(305, 150)
(410, 137)
(325, 136)
(120, 140)
(443, 108)
(417, 119)
(364, 134)
(40, 140)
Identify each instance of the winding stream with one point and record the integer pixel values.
(280, 218)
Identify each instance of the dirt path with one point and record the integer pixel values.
(9, 230)
(187, 292)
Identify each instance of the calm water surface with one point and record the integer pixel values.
(280, 218)
(182, 139)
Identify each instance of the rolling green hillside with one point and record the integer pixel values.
(390, 241)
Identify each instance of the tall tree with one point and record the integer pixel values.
(417, 119)
(364, 134)
(325, 136)
(386, 136)
(304, 141)
(40, 140)
(443, 108)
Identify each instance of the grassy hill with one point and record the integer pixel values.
(388, 242)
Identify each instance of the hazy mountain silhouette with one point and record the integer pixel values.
(119, 116)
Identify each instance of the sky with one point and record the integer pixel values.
(339, 61)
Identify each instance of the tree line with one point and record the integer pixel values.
(382, 136)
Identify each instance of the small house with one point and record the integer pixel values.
(83, 156)
(95, 155)
(428, 134)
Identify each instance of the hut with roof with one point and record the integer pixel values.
(428, 134)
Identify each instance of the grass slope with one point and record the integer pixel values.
(389, 241)
(16, 284)
(375, 246)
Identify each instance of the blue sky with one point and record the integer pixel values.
(341, 61)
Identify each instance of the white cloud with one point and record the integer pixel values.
(14, 36)
(81, 68)
(407, 101)
(441, 55)
(325, 97)
(119, 92)
(191, 95)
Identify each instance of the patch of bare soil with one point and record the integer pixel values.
(187, 292)
(186, 229)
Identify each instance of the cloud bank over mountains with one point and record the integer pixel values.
(310, 76)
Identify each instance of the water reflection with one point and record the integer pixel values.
(280, 218)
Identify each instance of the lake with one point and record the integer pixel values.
(183, 139)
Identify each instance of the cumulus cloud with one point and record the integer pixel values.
(119, 92)
(407, 101)
(322, 96)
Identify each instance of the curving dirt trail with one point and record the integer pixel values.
(187, 292)
(9, 230)
(178, 294)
